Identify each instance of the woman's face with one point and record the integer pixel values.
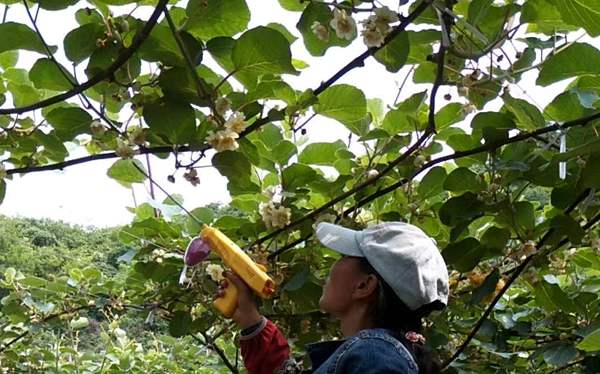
(343, 279)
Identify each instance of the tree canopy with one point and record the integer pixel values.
(505, 186)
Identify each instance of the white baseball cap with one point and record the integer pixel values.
(404, 256)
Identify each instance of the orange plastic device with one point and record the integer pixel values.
(253, 274)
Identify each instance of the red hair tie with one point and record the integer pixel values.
(414, 337)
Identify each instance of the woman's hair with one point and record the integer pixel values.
(389, 312)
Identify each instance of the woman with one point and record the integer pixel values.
(390, 276)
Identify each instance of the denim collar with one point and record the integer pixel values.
(319, 352)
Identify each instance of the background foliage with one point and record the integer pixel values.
(506, 187)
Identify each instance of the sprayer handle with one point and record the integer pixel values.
(227, 303)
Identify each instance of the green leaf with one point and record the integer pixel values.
(463, 255)
(9, 59)
(176, 120)
(559, 353)
(552, 298)
(204, 215)
(590, 176)
(583, 13)
(180, 323)
(55, 4)
(236, 167)
(587, 258)
(526, 114)
(449, 115)
(432, 183)
(79, 323)
(293, 5)
(463, 179)
(577, 60)
(208, 19)
(461, 209)
(543, 17)
(125, 172)
(318, 12)
(68, 122)
(566, 107)
(321, 153)
(566, 225)
(283, 151)
(80, 43)
(590, 342)
(524, 215)
(297, 176)
(344, 103)
(394, 55)
(21, 37)
(284, 31)
(297, 280)
(46, 74)
(495, 238)
(262, 50)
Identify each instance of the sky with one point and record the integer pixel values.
(85, 195)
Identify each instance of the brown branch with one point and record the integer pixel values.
(210, 343)
(108, 73)
(14, 340)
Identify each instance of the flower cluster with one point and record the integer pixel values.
(343, 24)
(215, 271)
(225, 139)
(124, 150)
(137, 136)
(97, 128)
(377, 26)
(275, 215)
(222, 106)
(192, 177)
(321, 31)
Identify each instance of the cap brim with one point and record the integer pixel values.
(340, 239)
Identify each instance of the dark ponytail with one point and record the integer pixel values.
(389, 312)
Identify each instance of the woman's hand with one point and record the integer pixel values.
(246, 313)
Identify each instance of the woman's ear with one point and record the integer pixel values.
(366, 287)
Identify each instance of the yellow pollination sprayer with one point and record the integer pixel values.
(253, 274)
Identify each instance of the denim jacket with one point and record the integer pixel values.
(369, 351)
(266, 351)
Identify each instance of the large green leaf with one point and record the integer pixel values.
(394, 55)
(583, 13)
(68, 122)
(176, 120)
(577, 60)
(211, 18)
(18, 36)
(55, 4)
(321, 153)
(463, 179)
(80, 43)
(559, 353)
(297, 175)
(590, 342)
(126, 172)
(262, 50)
(344, 103)
(526, 114)
(552, 298)
(236, 167)
(449, 115)
(432, 183)
(180, 323)
(463, 255)
(45, 73)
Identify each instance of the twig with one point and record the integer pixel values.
(208, 342)
(108, 73)
(14, 340)
(571, 364)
